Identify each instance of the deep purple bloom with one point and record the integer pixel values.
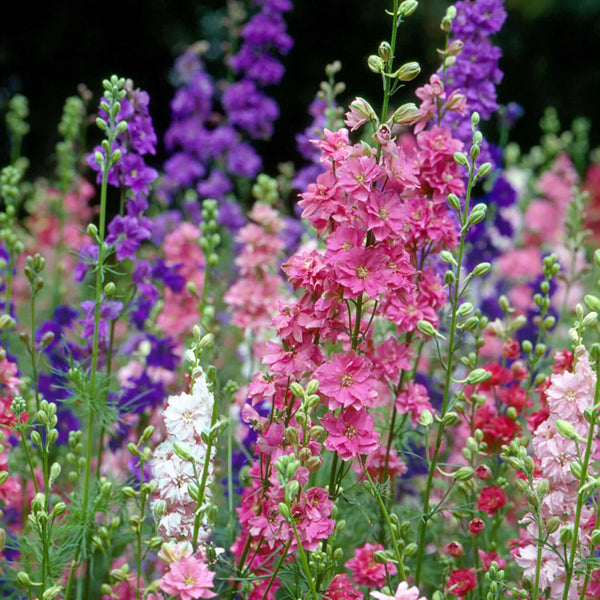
(127, 233)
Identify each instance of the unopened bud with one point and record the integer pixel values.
(408, 71)
(375, 63)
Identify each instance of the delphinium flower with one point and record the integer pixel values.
(381, 211)
(213, 123)
(254, 296)
(557, 443)
(186, 417)
(366, 570)
(474, 70)
(403, 592)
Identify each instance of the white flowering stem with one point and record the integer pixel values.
(580, 497)
(205, 469)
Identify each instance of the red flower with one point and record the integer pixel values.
(461, 582)
(476, 526)
(491, 500)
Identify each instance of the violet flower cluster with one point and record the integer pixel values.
(475, 72)
(214, 122)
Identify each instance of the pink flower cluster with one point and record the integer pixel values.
(254, 297)
(381, 212)
(568, 395)
(180, 309)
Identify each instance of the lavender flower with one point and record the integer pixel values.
(475, 72)
(211, 121)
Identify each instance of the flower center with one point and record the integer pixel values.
(346, 380)
(362, 272)
(350, 432)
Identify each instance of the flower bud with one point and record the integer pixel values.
(463, 474)
(183, 451)
(478, 376)
(406, 114)
(552, 524)
(482, 269)
(566, 534)
(426, 328)
(385, 52)
(375, 63)
(408, 71)
(461, 159)
(566, 430)
(426, 418)
(407, 8)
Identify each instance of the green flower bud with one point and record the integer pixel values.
(407, 7)
(408, 71)
(426, 328)
(453, 199)
(375, 63)
(463, 474)
(482, 269)
(426, 418)
(478, 376)
(183, 451)
(566, 430)
(566, 534)
(406, 114)
(552, 524)
(461, 159)
(385, 52)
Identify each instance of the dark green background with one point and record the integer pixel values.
(551, 57)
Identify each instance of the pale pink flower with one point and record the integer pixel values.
(403, 592)
(188, 415)
(188, 579)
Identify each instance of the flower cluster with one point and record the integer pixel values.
(186, 418)
(210, 150)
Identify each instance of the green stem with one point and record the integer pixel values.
(390, 527)
(447, 384)
(304, 561)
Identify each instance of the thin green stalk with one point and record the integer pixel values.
(388, 522)
(304, 561)
(387, 80)
(276, 570)
(447, 383)
(205, 469)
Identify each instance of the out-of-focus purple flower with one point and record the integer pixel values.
(215, 186)
(162, 353)
(168, 275)
(109, 311)
(243, 161)
(250, 109)
(231, 216)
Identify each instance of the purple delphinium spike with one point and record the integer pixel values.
(212, 122)
(475, 72)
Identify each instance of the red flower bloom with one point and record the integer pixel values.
(461, 582)
(491, 500)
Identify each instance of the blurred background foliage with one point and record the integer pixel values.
(551, 52)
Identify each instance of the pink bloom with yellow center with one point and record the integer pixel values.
(350, 433)
(347, 381)
(188, 579)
